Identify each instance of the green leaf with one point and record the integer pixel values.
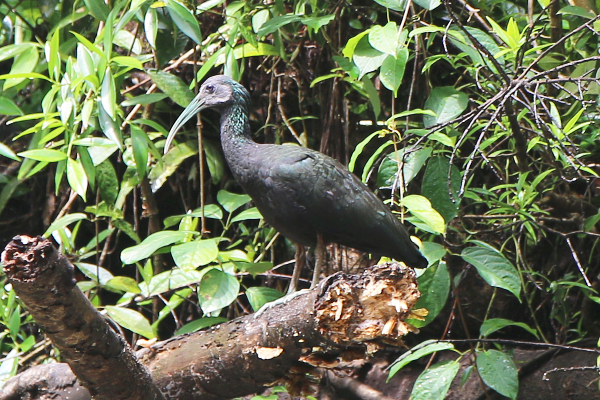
(8, 107)
(317, 23)
(126, 40)
(497, 29)
(447, 102)
(435, 187)
(249, 50)
(109, 126)
(366, 58)
(396, 5)
(579, 11)
(99, 148)
(421, 350)
(251, 213)
(210, 211)
(144, 99)
(128, 62)
(275, 23)
(359, 149)
(373, 95)
(433, 251)
(428, 4)
(217, 290)
(348, 51)
(392, 70)
(86, 112)
(411, 165)
(63, 222)
(126, 228)
(214, 160)
(385, 38)
(14, 321)
(132, 320)
(173, 86)
(420, 207)
(176, 155)
(201, 323)
(76, 177)
(258, 296)
(149, 245)
(47, 155)
(84, 61)
(151, 26)
(434, 382)
(185, 20)
(26, 75)
(493, 267)
(259, 19)
(13, 50)
(89, 45)
(434, 286)
(108, 94)
(254, 268)
(52, 49)
(499, 372)
(24, 63)
(195, 254)
(124, 284)
(231, 201)
(88, 166)
(591, 221)
(207, 5)
(108, 183)
(9, 365)
(170, 280)
(98, 9)
(7, 152)
(465, 44)
(139, 143)
(27, 344)
(494, 324)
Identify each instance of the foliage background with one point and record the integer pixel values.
(476, 121)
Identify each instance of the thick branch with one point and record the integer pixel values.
(242, 356)
(101, 359)
(359, 312)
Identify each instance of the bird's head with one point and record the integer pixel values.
(218, 92)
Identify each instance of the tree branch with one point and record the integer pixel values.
(101, 359)
(361, 313)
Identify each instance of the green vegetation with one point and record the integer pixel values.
(476, 122)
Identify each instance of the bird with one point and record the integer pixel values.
(308, 197)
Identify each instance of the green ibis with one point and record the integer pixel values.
(307, 196)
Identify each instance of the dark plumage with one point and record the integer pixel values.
(300, 192)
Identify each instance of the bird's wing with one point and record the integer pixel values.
(334, 202)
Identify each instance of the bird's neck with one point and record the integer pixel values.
(235, 138)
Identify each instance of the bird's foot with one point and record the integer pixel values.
(281, 300)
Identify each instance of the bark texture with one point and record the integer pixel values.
(101, 359)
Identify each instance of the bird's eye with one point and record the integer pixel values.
(209, 88)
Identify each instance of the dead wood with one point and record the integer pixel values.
(346, 316)
(101, 359)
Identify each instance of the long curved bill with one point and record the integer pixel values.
(192, 109)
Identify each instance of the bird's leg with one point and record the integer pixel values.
(300, 261)
(319, 260)
(292, 289)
